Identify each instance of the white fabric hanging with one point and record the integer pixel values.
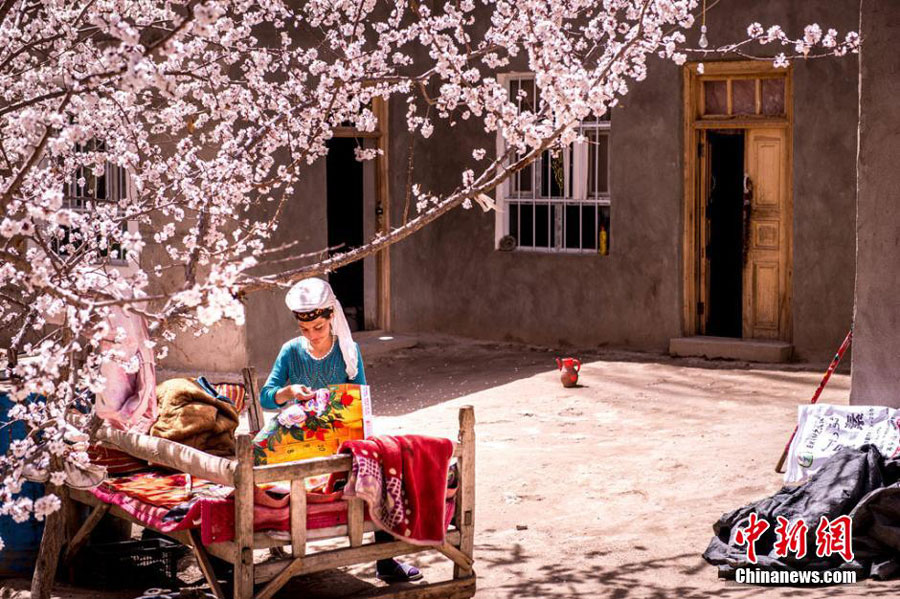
(316, 294)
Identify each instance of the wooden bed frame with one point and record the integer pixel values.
(284, 564)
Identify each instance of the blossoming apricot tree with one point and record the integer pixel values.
(211, 107)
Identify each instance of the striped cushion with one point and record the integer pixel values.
(235, 392)
(116, 462)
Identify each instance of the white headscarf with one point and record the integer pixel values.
(315, 294)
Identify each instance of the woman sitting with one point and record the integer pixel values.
(324, 354)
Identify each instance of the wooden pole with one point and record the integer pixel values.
(302, 469)
(383, 212)
(328, 559)
(280, 579)
(81, 537)
(205, 564)
(459, 558)
(254, 409)
(298, 517)
(779, 467)
(355, 520)
(172, 454)
(465, 496)
(243, 519)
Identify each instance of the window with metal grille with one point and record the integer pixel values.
(561, 201)
(83, 192)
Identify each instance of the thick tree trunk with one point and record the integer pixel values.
(55, 533)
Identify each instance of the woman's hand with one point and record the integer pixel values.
(300, 392)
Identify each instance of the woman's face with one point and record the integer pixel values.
(316, 330)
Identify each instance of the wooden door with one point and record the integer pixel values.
(767, 268)
(703, 233)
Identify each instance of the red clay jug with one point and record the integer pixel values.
(569, 368)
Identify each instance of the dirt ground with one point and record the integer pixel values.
(606, 490)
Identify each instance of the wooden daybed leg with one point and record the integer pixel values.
(81, 537)
(355, 520)
(51, 546)
(243, 519)
(298, 540)
(205, 564)
(465, 497)
(459, 558)
(280, 580)
(298, 517)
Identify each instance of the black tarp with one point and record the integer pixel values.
(860, 483)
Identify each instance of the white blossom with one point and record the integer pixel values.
(427, 128)
(19, 448)
(812, 34)
(363, 154)
(45, 506)
(56, 447)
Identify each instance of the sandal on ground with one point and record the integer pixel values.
(394, 571)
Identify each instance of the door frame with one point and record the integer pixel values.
(694, 127)
(381, 215)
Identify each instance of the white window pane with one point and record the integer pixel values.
(602, 163)
(591, 165)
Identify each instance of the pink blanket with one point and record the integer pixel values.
(403, 480)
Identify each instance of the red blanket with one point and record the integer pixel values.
(403, 480)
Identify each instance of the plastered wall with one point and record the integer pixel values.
(449, 278)
(876, 341)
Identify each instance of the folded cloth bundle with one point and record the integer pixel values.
(859, 483)
(190, 415)
(403, 479)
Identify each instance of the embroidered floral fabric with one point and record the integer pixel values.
(315, 427)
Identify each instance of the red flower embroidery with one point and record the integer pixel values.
(346, 399)
(337, 424)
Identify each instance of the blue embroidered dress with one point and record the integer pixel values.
(295, 366)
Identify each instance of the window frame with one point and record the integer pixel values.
(758, 79)
(575, 182)
(77, 202)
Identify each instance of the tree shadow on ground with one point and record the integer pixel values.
(656, 578)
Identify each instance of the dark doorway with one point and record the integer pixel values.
(345, 225)
(724, 211)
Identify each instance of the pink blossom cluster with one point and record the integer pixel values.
(814, 43)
